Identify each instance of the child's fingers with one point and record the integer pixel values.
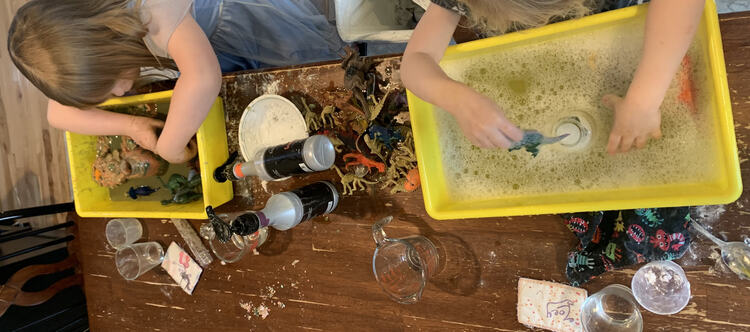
(610, 100)
(156, 123)
(641, 141)
(499, 140)
(477, 141)
(614, 142)
(656, 134)
(510, 130)
(626, 144)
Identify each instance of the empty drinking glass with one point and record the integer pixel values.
(661, 287)
(612, 309)
(134, 260)
(403, 266)
(122, 232)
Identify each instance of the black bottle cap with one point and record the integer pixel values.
(222, 173)
(246, 224)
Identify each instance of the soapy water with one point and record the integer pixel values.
(543, 85)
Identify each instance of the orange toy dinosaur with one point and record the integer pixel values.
(360, 159)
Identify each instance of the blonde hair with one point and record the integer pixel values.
(75, 50)
(499, 16)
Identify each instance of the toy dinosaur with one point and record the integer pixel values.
(184, 190)
(408, 183)
(402, 118)
(326, 114)
(532, 140)
(377, 105)
(376, 147)
(351, 182)
(134, 192)
(338, 144)
(385, 135)
(360, 159)
(355, 71)
(311, 119)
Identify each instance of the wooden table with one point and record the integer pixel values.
(318, 276)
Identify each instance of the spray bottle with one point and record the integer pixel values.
(282, 211)
(311, 154)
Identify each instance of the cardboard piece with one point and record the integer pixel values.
(181, 267)
(550, 305)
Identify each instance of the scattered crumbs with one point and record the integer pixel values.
(255, 252)
(164, 221)
(708, 214)
(248, 307)
(294, 285)
(223, 263)
(262, 310)
(295, 262)
(281, 305)
(229, 277)
(388, 204)
(270, 292)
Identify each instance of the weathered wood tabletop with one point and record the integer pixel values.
(318, 276)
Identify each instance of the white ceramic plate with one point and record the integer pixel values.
(268, 121)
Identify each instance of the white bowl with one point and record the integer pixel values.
(269, 120)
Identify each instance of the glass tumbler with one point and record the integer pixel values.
(403, 266)
(612, 309)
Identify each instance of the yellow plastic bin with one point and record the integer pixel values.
(723, 186)
(92, 200)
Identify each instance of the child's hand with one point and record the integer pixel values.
(634, 124)
(484, 123)
(143, 131)
(189, 153)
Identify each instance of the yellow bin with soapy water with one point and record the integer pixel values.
(444, 199)
(93, 201)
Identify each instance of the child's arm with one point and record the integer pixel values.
(480, 118)
(99, 122)
(670, 27)
(196, 89)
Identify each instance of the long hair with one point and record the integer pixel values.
(500, 16)
(75, 50)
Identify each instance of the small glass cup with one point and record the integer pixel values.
(136, 259)
(661, 287)
(403, 266)
(234, 249)
(612, 309)
(122, 232)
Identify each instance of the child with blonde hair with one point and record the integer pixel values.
(670, 26)
(79, 53)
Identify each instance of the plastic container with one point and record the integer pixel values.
(724, 187)
(136, 259)
(93, 201)
(369, 20)
(661, 287)
(123, 232)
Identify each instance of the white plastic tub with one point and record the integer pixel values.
(369, 21)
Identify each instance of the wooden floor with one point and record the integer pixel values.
(33, 162)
